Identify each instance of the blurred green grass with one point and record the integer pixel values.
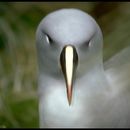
(18, 61)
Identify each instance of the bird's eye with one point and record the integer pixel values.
(87, 43)
(48, 39)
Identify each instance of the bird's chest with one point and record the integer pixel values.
(56, 112)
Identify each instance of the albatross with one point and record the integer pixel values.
(76, 88)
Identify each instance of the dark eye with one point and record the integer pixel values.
(48, 39)
(87, 43)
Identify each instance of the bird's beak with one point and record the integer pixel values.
(69, 61)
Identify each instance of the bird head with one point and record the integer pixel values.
(68, 42)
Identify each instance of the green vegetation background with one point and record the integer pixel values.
(18, 61)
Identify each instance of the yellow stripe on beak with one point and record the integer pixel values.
(68, 60)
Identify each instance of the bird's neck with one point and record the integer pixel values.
(93, 65)
(93, 75)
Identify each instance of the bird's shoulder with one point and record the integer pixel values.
(117, 70)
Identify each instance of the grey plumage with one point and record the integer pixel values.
(101, 90)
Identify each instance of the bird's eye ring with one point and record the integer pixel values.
(87, 43)
(48, 39)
